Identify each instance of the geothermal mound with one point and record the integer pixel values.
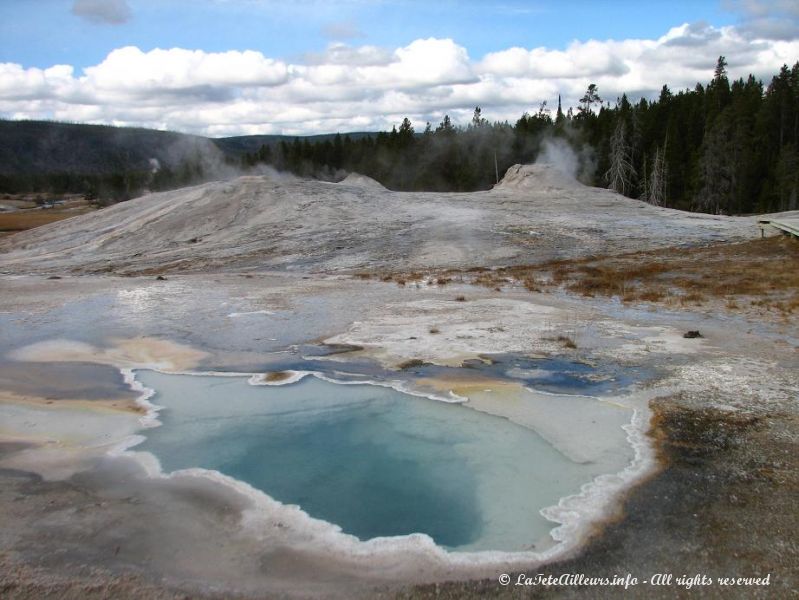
(362, 181)
(537, 177)
(536, 213)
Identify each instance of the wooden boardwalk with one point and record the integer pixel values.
(789, 226)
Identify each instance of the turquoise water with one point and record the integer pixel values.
(375, 461)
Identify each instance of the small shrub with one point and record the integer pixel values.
(567, 342)
(412, 363)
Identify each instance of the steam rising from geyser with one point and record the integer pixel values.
(558, 153)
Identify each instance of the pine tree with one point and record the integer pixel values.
(787, 178)
(559, 118)
(405, 134)
(716, 169)
(445, 126)
(590, 98)
(477, 118)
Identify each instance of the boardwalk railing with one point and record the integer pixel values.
(787, 226)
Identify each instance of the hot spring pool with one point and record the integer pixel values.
(372, 460)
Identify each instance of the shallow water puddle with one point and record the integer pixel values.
(555, 375)
(375, 461)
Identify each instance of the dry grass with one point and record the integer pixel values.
(692, 298)
(486, 280)
(760, 274)
(28, 219)
(763, 270)
(412, 364)
(652, 295)
(277, 376)
(567, 342)
(531, 284)
(564, 340)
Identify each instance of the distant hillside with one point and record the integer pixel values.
(116, 163)
(41, 147)
(252, 143)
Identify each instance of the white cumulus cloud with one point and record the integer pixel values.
(767, 19)
(348, 88)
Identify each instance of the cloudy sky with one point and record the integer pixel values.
(235, 67)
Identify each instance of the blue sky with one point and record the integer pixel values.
(230, 67)
(42, 33)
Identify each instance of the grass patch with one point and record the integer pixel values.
(692, 298)
(28, 219)
(411, 364)
(531, 284)
(761, 273)
(277, 376)
(567, 342)
(652, 295)
(563, 340)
